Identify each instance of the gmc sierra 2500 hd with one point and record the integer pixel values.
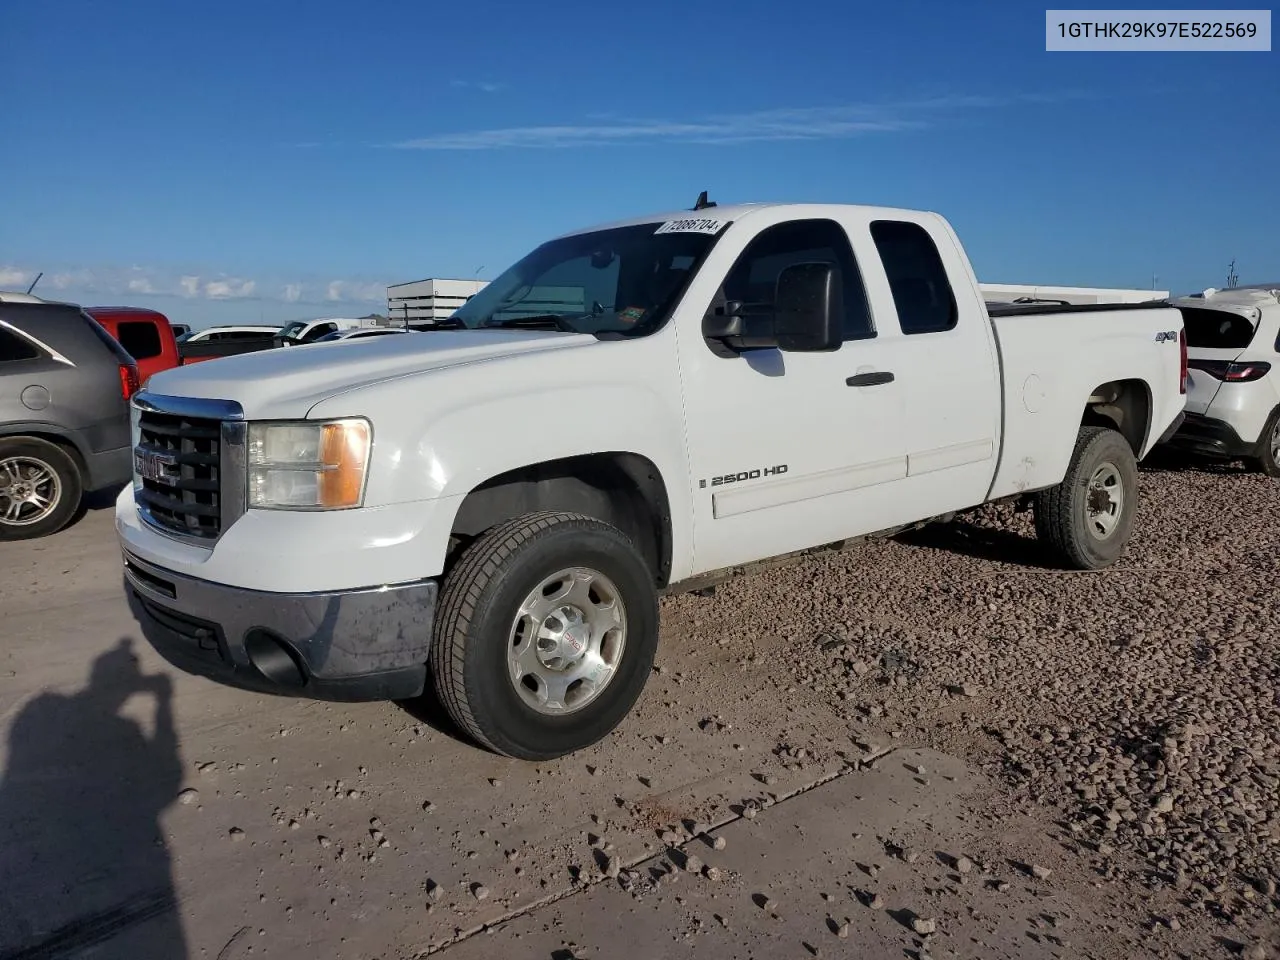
(629, 410)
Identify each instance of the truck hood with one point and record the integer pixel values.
(286, 382)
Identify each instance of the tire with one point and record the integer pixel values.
(30, 467)
(1068, 521)
(1268, 456)
(479, 631)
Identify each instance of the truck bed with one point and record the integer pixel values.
(1071, 356)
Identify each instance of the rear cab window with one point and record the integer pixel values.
(140, 339)
(922, 293)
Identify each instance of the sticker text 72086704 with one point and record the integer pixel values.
(691, 225)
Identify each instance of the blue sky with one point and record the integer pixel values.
(267, 161)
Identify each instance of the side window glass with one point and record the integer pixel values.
(140, 340)
(14, 348)
(318, 332)
(921, 291)
(754, 277)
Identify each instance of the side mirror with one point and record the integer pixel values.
(728, 330)
(808, 309)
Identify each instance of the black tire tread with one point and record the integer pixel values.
(1264, 461)
(1054, 507)
(477, 565)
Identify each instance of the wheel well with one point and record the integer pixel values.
(57, 440)
(622, 489)
(1123, 405)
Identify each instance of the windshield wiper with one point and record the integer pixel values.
(545, 321)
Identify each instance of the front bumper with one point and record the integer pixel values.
(352, 645)
(1210, 437)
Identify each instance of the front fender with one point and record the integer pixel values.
(473, 425)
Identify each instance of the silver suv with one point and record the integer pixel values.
(65, 385)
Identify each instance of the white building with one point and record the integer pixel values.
(432, 299)
(1008, 292)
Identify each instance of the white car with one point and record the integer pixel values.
(360, 333)
(1233, 352)
(232, 332)
(309, 331)
(631, 409)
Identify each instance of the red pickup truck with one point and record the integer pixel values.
(145, 335)
(150, 339)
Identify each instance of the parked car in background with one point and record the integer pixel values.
(223, 333)
(309, 331)
(361, 333)
(632, 409)
(146, 335)
(65, 386)
(1233, 352)
(224, 341)
(180, 329)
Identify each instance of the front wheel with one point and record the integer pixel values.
(1086, 519)
(545, 635)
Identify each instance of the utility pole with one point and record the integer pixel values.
(1232, 278)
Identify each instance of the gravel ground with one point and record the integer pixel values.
(1125, 721)
(1139, 705)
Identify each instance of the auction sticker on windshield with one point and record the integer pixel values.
(691, 226)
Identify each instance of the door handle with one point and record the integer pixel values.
(869, 379)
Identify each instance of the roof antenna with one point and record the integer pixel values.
(41, 274)
(702, 202)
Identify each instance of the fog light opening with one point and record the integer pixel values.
(272, 657)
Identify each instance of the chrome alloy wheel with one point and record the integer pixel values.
(567, 641)
(29, 491)
(1104, 501)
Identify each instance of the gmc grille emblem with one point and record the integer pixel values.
(159, 467)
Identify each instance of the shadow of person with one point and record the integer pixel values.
(84, 870)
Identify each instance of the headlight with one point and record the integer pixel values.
(308, 465)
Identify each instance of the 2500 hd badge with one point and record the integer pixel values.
(745, 475)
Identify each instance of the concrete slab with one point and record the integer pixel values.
(855, 867)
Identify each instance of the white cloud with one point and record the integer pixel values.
(484, 86)
(354, 292)
(90, 284)
(226, 289)
(800, 123)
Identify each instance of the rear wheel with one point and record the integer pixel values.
(1268, 457)
(1086, 519)
(40, 488)
(545, 635)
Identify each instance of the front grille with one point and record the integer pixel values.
(187, 497)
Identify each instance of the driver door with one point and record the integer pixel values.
(790, 450)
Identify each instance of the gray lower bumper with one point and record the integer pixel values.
(357, 645)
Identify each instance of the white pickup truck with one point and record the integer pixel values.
(496, 505)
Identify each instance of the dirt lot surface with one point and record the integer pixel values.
(931, 746)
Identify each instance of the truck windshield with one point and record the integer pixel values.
(292, 329)
(622, 280)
